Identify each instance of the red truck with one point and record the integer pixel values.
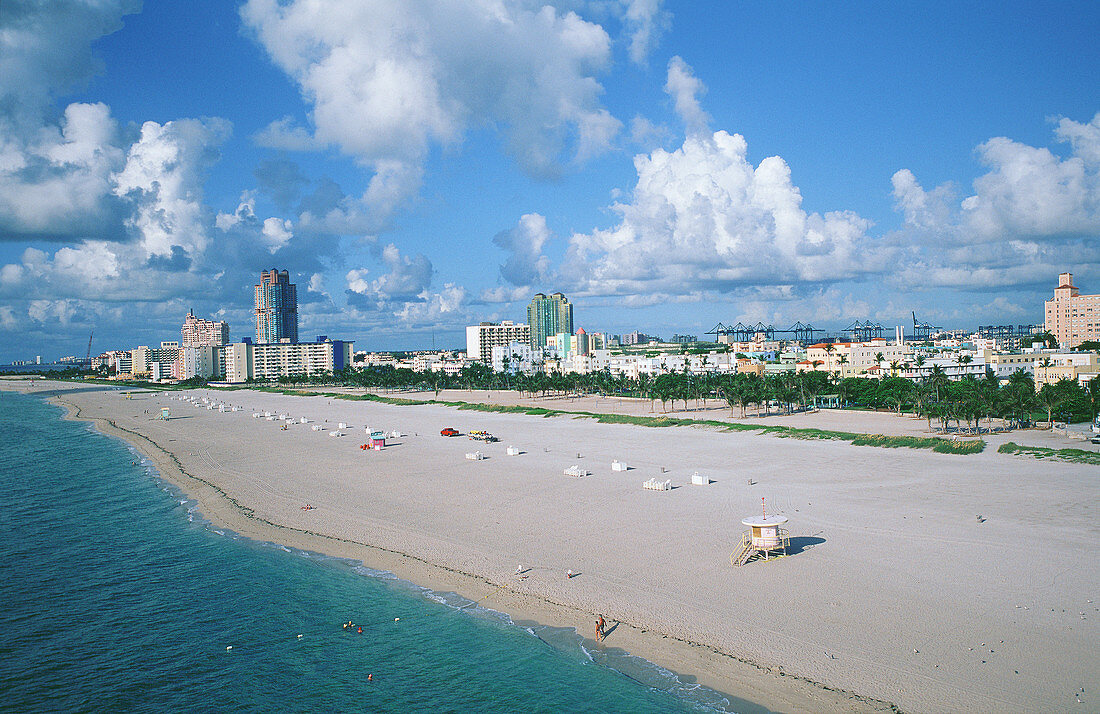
(449, 432)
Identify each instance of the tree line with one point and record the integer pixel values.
(944, 402)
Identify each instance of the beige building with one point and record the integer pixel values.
(1070, 317)
(849, 359)
(1081, 367)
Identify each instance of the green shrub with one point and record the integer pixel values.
(1079, 456)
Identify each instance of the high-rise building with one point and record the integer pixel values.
(481, 339)
(548, 316)
(1070, 317)
(197, 332)
(276, 307)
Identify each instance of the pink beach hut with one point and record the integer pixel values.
(765, 535)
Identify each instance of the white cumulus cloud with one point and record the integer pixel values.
(389, 79)
(277, 232)
(703, 218)
(645, 21)
(163, 176)
(45, 48)
(526, 265)
(56, 182)
(1027, 193)
(685, 89)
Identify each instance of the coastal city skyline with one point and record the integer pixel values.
(922, 161)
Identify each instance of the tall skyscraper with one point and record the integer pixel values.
(197, 332)
(276, 307)
(549, 316)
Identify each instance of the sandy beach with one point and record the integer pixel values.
(895, 593)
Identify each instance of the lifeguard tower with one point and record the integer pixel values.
(765, 536)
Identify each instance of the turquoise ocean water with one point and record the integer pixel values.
(116, 595)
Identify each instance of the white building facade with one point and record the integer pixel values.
(481, 339)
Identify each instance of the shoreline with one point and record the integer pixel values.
(763, 689)
(893, 589)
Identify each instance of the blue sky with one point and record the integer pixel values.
(421, 166)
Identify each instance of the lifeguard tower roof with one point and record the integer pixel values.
(764, 521)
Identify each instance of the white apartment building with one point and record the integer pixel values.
(444, 362)
(198, 362)
(235, 362)
(376, 359)
(1006, 364)
(481, 339)
(520, 355)
(272, 360)
(241, 361)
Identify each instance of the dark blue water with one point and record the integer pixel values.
(115, 595)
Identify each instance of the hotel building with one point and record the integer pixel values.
(1070, 317)
(197, 332)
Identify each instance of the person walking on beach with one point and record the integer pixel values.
(599, 629)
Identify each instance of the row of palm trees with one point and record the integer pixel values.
(963, 402)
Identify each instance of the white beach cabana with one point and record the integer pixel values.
(655, 485)
(619, 466)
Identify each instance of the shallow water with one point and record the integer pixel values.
(118, 596)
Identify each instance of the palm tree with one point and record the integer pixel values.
(938, 380)
(843, 360)
(964, 360)
(730, 390)
(1050, 398)
(922, 402)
